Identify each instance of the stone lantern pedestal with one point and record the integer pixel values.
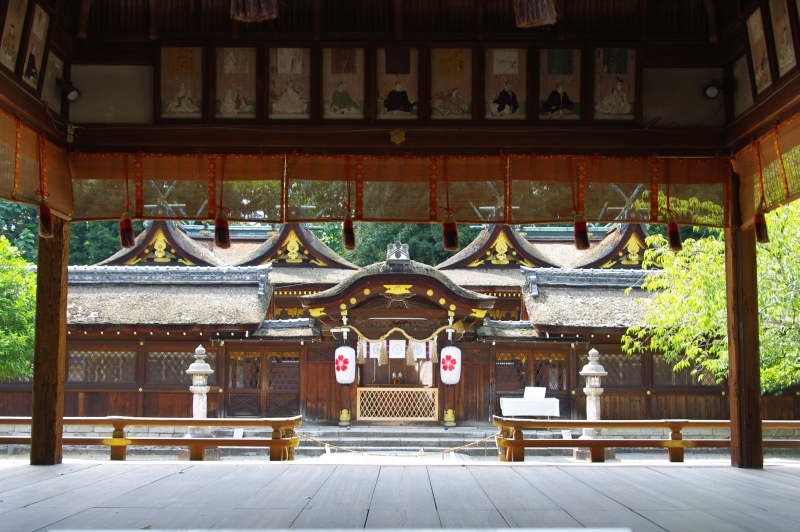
(593, 372)
(199, 371)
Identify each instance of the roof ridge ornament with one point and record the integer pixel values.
(397, 253)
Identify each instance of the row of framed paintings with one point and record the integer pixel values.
(783, 47)
(11, 41)
(340, 80)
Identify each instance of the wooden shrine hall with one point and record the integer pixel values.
(192, 115)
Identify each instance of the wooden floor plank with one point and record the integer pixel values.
(566, 491)
(730, 488)
(403, 487)
(786, 470)
(35, 474)
(293, 488)
(59, 485)
(454, 488)
(136, 518)
(324, 518)
(169, 489)
(228, 491)
(509, 491)
(472, 519)
(258, 518)
(681, 521)
(757, 520)
(403, 516)
(348, 488)
(635, 495)
(765, 481)
(517, 518)
(100, 491)
(29, 519)
(617, 518)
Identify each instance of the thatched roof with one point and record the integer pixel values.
(506, 329)
(158, 295)
(489, 278)
(185, 248)
(119, 304)
(566, 256)
(296, 328)
(477, 249)
(563, 306)
(383, 269)
(268, 251)
(307, 276)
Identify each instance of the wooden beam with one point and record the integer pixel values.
(316, 14)
(50, 346)
(236, 27)
(479, 26)
(398, 20)
(713, 34)
(153, 20)
(561, 25)
(744, 370)
(83, 19)
(643, 19)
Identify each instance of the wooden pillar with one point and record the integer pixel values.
(50, 346)
(747, 449)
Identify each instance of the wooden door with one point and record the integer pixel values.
(473, 391)
(263, 383)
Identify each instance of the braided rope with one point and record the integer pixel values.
(415, 455)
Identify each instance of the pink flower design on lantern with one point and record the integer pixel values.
(448, 363)
(341, 363)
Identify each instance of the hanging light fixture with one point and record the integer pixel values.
(450, 362)
(344, 362)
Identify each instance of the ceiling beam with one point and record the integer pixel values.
(83, 19)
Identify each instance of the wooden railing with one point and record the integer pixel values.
(281, 446)
(511, 444)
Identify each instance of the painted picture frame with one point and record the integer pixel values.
(615, 81)
(51, 92)
(289, 83)
(34, 51)
(782, 35)
(12, 33)
(560, 84)
(758, 52)
(235, 83)
(343, 83)
(397, 83)
(451, 83)
(506, 96)
(181, 88)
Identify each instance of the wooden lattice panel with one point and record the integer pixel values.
(417, 404)
(664, 375)
(169, 367)
(101, 366)
(622, 369)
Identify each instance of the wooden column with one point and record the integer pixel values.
(744, 369)
(50, 346)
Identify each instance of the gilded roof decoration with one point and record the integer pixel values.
(158, 251)
(501, 253)
(496, 248)
(163, 243)
(294, 246)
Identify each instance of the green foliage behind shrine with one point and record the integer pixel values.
(17, 312)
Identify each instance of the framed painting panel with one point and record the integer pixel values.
(506, 84)
(51, 92)
(451, 83)
(181, 94)
(758, 51)
(560, 84)
(343, 83)
(289, 83)
(615, 83)
(12, 32)
(398, 83)
(782, 34)
(34, 51)
(235, 92)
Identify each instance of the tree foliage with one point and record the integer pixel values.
(686, 319)
(424, 241)
(17, 312)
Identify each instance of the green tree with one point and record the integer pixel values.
(686, 319)
(424, 241)
(17, 312)
(20, 225)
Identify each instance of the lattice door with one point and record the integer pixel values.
(263, 382)
(245, 396)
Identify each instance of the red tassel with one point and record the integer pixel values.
(449, 233)
(674, 235)
(222, 233)
(127, 238)
(581, 233)
(348, 234)
(45, 220)
(760, 223)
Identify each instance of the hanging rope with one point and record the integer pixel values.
(457, 326)
(447, 209)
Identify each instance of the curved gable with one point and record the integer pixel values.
(497, 247)
(163, 243)
(295, 246)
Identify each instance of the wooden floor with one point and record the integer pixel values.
(130, 495)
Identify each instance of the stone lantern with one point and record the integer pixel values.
(593, 372)
(199, 371)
